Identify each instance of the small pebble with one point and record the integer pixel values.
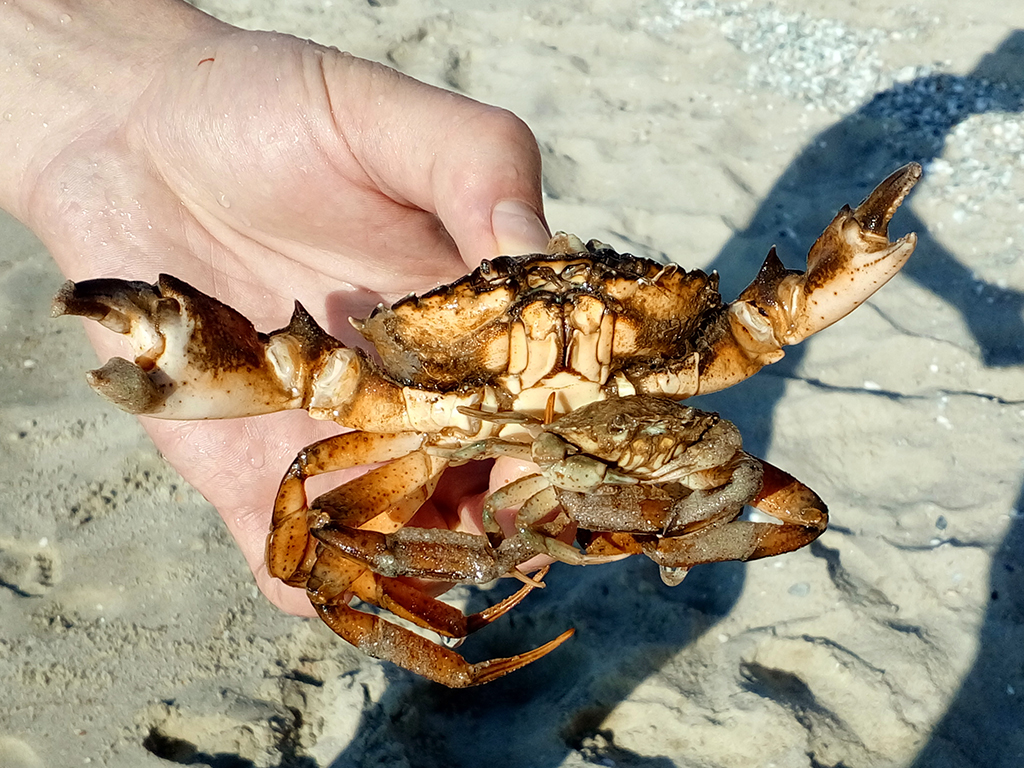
(800, 589)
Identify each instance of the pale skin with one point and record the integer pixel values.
(144, 137)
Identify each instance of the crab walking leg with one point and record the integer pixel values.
(291, 551)
(383, 640)
(514, 494)
(851, 260)
(197, 358)
(416, 555)
(540, 536)
(802, 513)
(535, 533)
(447, 555)
(428, 553)
(411, 604)
(384, 499)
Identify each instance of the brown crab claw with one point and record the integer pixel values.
(851, 260)
(195, 358)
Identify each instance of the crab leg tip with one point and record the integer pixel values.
(487, 671)
(59, 306)
(879, 207)
(77, 299)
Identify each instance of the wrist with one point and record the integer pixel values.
(75, 68)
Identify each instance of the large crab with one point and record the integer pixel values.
(575, 359)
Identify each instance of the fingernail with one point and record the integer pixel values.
(517, 228)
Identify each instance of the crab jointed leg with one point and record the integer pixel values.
(851, 260)
(328, 546)
(801, 513)
(382, 640)
(197, 358)
(291, 550)
(802, 517)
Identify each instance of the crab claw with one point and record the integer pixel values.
(196, 358)
(851, 260)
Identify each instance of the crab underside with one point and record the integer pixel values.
(575, 360)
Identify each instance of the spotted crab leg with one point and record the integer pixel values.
(331, 544)
(329, 582)
(386, 493)
(383, 640)
(197, 358)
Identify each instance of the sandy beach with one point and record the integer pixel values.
(695, 131)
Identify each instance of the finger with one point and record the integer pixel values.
(276, 173)
(490, 202)
(476, 167)
(289, 599)
(517, 229)
(507, 469)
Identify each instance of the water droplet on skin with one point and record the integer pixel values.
(65, 18)
(255, 49)
(29, 27)
(8, 116)
(256, 457)
(223, 200)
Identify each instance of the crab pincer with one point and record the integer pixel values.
(195, 357)
(851, 260)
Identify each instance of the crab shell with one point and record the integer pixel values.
(582, 321)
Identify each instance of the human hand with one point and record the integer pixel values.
(263, 169)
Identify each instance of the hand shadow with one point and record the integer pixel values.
(538, 715)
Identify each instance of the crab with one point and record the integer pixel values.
(575, 359)
(638, 474)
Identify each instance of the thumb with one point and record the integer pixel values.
(487, 187)
(474, 166)
(517, 229)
